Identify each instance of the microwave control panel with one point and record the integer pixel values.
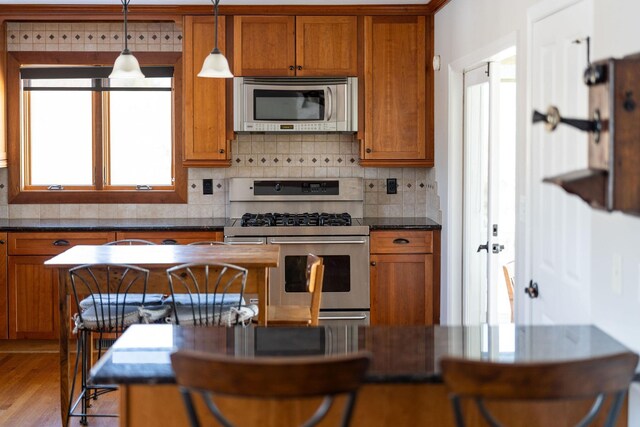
(292, 127)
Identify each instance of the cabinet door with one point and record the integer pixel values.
(402, 289)
(205, 141)
(264, 45)
(4, 291)
(395, 91)
(326, 46)
(33, 296)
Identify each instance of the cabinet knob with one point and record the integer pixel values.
(299, 67)
(61, 242)
(1, 242)
(373, 263)
(368, 150)
(291, 67)
(221, 151)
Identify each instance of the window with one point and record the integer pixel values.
(85, 138)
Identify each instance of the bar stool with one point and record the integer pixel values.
(109, 298)
(209, 294)
(596, 378)
(278, 378)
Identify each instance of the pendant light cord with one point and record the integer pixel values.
(125, 6)
(215, 12)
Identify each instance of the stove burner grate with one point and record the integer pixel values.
(295, 220)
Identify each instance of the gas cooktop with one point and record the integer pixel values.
(314, 219)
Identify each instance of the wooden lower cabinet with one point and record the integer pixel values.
(4, 289)
(405, 277)
(29, 290)
(33, 294)
(33, 288)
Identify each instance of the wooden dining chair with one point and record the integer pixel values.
(277, 378)
(594, 378)
(302, 315)
(210, 294)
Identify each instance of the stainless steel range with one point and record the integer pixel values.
(323, 217)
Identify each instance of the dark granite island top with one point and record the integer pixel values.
(403, 386)
(400, 354)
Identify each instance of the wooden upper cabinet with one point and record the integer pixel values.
(205, 139)
(326, 46)
(264, 46)
(398, 89)
(295, 46)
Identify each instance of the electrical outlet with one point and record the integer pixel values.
(616, 274)
(392, 186)
(207, 186)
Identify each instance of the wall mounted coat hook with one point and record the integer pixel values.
(553, 118)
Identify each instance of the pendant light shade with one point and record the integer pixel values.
(126, 65)
(215, 65)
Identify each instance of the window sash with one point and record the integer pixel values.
(101, 193)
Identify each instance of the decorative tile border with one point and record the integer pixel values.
(93, 36)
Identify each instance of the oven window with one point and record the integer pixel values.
(288, 105)
(337, 273)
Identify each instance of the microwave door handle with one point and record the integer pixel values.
(330, 103)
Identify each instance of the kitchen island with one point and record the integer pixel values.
(403, 386)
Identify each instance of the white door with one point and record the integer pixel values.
(488, 204)
(559, 222)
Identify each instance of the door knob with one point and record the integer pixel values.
(532, 290)
(484, 247)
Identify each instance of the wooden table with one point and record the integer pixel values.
(156, 258)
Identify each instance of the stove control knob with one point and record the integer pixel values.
(278, 187)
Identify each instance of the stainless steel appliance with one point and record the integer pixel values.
(295, 104)
(305, 227)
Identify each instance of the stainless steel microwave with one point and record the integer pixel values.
(269, 104)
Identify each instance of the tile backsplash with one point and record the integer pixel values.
(329, 155)
(266, 156)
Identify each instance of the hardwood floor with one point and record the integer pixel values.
(29, 391)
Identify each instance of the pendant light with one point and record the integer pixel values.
(126, 65)
(215, 65)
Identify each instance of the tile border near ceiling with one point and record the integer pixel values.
(93, 36)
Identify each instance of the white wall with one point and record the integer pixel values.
(462, 29)
(466, 26)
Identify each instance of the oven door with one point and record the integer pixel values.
(346, 272)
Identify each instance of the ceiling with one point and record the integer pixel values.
(222, 2)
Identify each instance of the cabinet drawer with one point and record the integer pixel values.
(171, 237)
(53, 243)
(401, 242)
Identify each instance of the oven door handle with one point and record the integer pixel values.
(318, 242)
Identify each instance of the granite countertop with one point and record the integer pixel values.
(423, 223)
(181, 224)
(172, 224)
(408, 354)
